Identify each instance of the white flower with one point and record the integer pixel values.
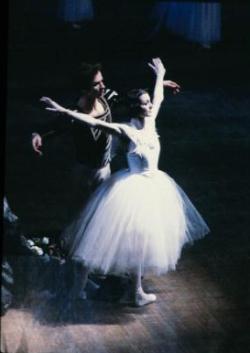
(45, 240)
(30, 243)
(36, 250)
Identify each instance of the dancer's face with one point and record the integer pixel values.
(145, 105)
(98, 86)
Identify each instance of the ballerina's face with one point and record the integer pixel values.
(145, 105)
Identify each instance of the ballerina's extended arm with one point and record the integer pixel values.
(111, 128)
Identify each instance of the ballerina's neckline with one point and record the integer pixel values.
(141, 132)
(143, 137)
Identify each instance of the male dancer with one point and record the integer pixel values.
(93, 147)
(94, 100)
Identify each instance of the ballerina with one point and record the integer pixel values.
(138, 220)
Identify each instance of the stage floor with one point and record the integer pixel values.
(192, 314)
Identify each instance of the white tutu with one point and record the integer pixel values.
(134, 219)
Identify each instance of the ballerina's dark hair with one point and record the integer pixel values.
(133, 100)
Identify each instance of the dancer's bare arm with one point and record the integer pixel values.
(158, 94)
(111, 128)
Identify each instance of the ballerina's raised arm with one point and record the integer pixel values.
(158, 94)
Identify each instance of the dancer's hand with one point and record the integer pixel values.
(52, 105)
(157, 67)
(171, 84)
(37, 143)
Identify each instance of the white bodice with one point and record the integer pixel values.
(144, 150)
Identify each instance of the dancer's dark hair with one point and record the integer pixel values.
(86, 74)
(133, 100)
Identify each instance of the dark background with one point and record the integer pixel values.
(43, 57)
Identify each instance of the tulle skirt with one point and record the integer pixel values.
(199, 22)
(132, 220)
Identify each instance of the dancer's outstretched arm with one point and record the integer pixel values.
(111, 128)
(158, 94)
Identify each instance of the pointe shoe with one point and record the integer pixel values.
(143, 298)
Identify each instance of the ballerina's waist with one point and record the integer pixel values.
(144, 171)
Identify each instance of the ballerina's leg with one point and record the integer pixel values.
(140, 297)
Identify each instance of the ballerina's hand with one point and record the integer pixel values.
(157, 66)
(171, 84)
(52, 105)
